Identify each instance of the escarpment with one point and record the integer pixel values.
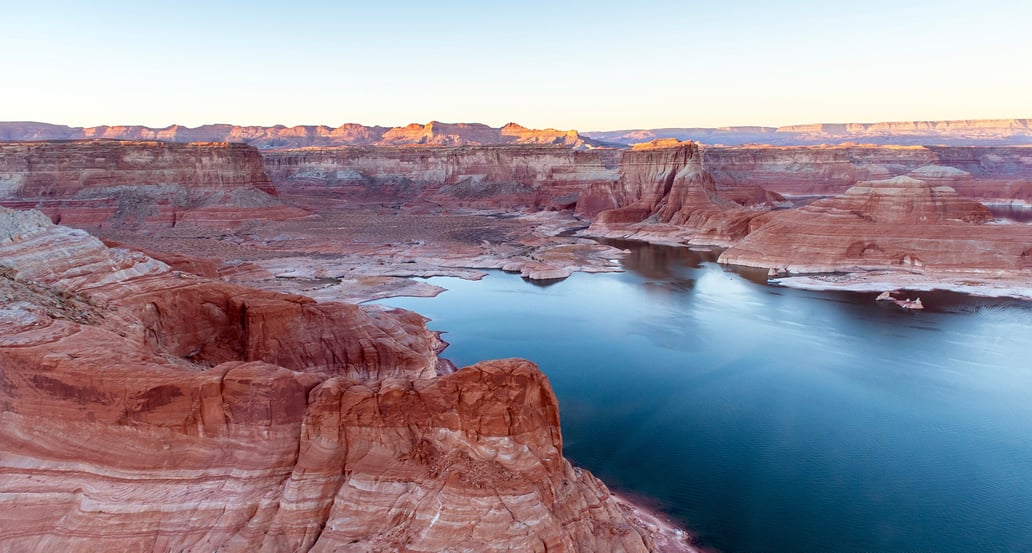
(512, 177)
(145, 409)
(663, 192)
(987, 173)
(105, 182)
(902, 223)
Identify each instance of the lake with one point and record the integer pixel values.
(771, 419)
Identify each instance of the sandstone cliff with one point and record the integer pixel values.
(996, 173)
(143, 409)
(663, 191)
(433, 133)
(536, 177)
(100, 182)
(901, 223)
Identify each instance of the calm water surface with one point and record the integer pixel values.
(771, 419)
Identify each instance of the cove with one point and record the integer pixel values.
(772, 419)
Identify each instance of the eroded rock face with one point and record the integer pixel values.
(512, 177)
(997, 173)
(144, 409)
(900, 223)
(103, 182)
(663, 190)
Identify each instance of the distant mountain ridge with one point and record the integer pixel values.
(433, 133)
(975, 132)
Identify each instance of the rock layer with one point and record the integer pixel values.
(98, 182)
(144, 409)
(901, 223)
(663, 190)
(988, 173)
(511, 177)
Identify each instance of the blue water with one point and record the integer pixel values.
(770, 419)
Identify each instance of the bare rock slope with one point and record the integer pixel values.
(903, 224)
(144, 409)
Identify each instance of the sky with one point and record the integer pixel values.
(596, 65)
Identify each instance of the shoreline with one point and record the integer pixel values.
(667, 535)
(880, 281)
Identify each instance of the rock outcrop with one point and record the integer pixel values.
(144, 409)
(664, 194)
(999, 173)
(102, 182)
(527, 176)
(900, 223)
(433, 133)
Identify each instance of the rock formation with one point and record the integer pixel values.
(663, 193)
(99, 182)
(526, 176)
(144, 409)
(998, 173)
(900, 223)
(433, 133)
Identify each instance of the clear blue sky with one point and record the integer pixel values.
(583, 65)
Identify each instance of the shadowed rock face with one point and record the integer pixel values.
(103, 182)
(902, 223)
(143, 409)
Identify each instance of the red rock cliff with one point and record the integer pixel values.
(546, 177)
(142, 409)
(901, 223)
(1000, 173)
(96, 182)
(663, 188)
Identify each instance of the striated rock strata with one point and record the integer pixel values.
(998, 173)
(664, 194)
(902, 224)
(511, 177)
(101, 182)
(144, 409)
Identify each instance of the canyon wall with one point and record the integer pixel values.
(145, 409)
(903, 224)
(98, 182)
(536, 177)
(996, 173)
(433, 133)
(663, 189)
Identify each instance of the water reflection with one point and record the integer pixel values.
(770, 418)
(1012, 213)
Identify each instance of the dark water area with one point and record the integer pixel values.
(772, 419)
(1012, 213)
